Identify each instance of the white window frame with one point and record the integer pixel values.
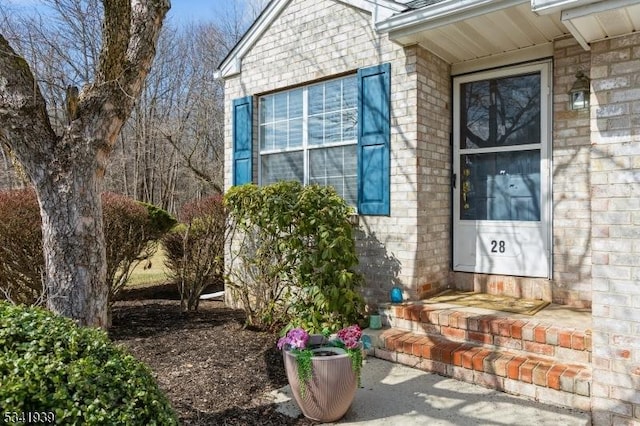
(306, 147)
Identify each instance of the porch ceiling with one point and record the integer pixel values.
(468, 33)
(484, 32)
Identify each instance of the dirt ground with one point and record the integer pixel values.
(212, 369)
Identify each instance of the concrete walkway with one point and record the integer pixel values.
(394, 394)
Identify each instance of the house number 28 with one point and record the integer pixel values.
(497, 246)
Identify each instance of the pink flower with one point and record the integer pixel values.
(350, 336)
(296, 338)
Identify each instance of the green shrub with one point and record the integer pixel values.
(293, 257)
(48, 364)
(130, 230)
(195, 249)
(161, 220)
(21, 257)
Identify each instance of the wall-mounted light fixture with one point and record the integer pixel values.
(579, 93)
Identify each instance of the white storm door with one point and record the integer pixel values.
(502, 191)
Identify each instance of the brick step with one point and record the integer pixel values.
(536, 377)
(515, 333)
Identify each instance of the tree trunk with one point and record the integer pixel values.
(68, 170)
(73, 242)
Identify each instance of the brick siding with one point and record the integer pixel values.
(615, 197)
(571, 181)
(312, 40)
(433, 157)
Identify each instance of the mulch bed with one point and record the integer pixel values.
(213, 370)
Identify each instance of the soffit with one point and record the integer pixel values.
(602, 20)
(491, 29)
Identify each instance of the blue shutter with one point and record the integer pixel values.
(374, 94)
(242, 140)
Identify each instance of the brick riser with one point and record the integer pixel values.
(527, 336)
(536, 360)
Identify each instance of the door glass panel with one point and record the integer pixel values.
(500, 112)
(500, 186)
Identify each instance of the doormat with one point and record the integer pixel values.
(489, 301)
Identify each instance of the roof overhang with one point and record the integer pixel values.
(474, 34)
(231, 65)
(594, 21)
(480, 32)
(443, 13)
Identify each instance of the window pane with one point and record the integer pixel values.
(349, 92)
(295, 103)
(295, 133)
(500, 186)
(332, 96)
(316, 132)
(351, 160)
(332, 130)
(500, 112)
(267, 135)
(285, 166)
(316, 99)
(349, 124)
(331, 118)
(337, 167)
(280, 137)
(351, 190)
(280, 105)
(266, 109)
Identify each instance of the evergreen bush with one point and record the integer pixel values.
(293, 257)
(21, 257)
(130, 230)
(76, 375)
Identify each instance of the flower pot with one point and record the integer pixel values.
(330, 392)
(375, 322)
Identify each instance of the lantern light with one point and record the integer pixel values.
(579, 93)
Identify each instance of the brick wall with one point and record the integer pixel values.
(571, 181)
(312, 40)
(434, 172)
(615, 241)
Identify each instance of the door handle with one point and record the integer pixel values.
(454, 178)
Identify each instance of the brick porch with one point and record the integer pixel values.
(546, 357)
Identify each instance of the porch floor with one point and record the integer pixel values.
(546, 356)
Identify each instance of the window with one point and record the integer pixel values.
(332, 133)
(309, 134)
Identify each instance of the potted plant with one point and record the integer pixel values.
(323, 372)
